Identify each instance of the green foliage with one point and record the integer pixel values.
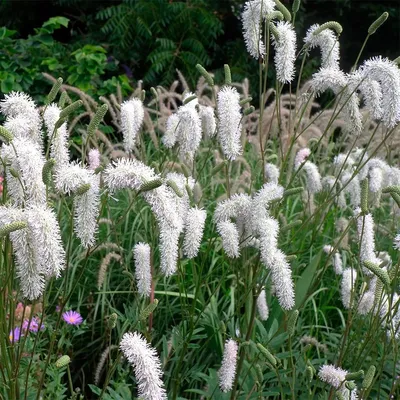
(175, 35)
(22, 62)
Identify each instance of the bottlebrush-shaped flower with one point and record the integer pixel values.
(253, 14)
(387, 73)
(146, 366)
(132, 114)
(141, 254)
(229, 122)
(194, 227)
(262, 306)
(228, 368)
(59, 138)
(18, 104)
(27, 160)
(285, 51)
(327, 42)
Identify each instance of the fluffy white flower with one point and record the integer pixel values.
(133, 174)
(301, 157)
(208, 123)
(69, 179)
(343, 162)
(367, 299)
(262, 306)
(26, 158)
(17, 104)
(87, 206)
(141, 254)
(337, 259)
(282, 281)
(228, 367)
(194, 227)
(253, 14)
(370, 90)
(314, 184)
(387, 73)
(285, 51)
(46, 236)
(132, 114)
(328, 43)
(365, 229)
(188, 130)
(268, 230)
(229, 122)
(169, 138)
(28, 271)
(234, 207)
(272, 173)
(230, 238)
(352, 186)
(336, 80)
(59, 139)
(396, 242)
(94, 159)
(146, 366)
(349, 277)
(335, 376)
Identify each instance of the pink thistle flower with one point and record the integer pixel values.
(72, 317)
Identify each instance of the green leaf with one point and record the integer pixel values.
(7, 85)
(306, 279)
(56, 22)
(5, 33)
(46, 39)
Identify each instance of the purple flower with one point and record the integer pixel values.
(33, 326)
(72, 317)
(15, 334)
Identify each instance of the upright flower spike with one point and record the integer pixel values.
(230, 238)
(208, 123)
(314, 184)
(48, 250)
(272, 173)
(365, 229)
(228, 368)
(169, 138)
(94, 159)
(194, 227)
(229, 124)
(285, 51)
(262, 306)
(337, 259)
(188, 129)
(16, 105)
(349, 277)
(141, 254)
(59, 137)
(253, 14)
(29, 272)
(26, 158)
(70, 179)
(132, 115)
(146, 366)
(327, 42)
